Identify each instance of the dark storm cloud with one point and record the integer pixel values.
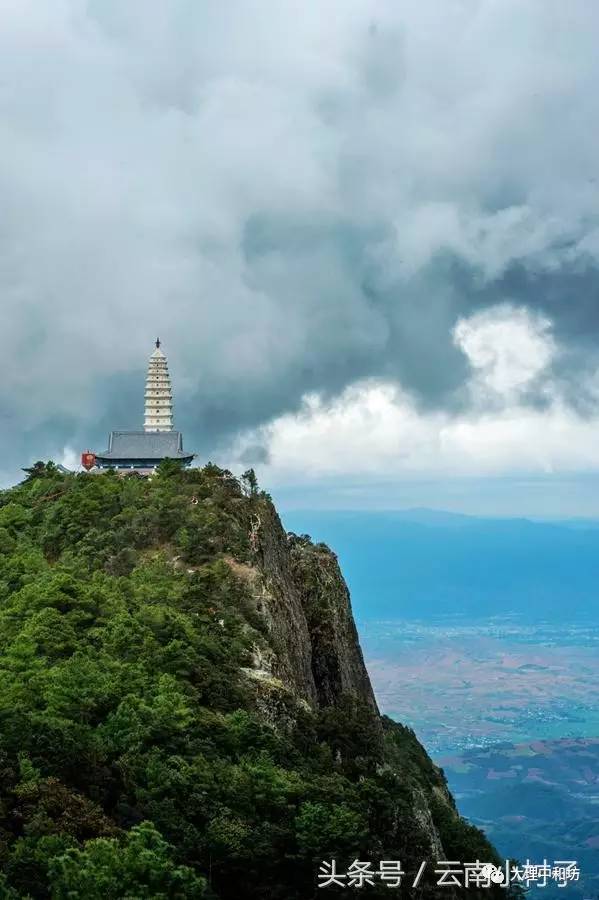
(292, 199)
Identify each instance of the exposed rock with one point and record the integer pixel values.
(313, 660)
(337, 662)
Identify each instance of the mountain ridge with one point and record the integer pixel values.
(184, 706)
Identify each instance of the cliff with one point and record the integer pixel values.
(184, 706)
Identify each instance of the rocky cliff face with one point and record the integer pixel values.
(316, 655)
(337, 663)
(306, 603)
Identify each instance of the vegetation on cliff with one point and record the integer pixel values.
(163, 732)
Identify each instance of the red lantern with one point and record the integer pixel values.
(88, 460)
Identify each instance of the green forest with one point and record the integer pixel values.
(135, 760)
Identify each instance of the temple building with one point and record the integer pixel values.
(143, 450)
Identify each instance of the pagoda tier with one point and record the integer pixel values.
(158, 394)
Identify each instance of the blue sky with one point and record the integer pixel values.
(369, 242)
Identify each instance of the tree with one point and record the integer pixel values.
(169, 468)
(140, 866)
(250, 482)
(40, 470)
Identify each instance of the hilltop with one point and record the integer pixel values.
(184, 707)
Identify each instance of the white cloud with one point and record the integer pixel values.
(71, 459)
(374, 430)
(490, 242)
(374, 427)
(507, 348)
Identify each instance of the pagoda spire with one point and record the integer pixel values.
(159, 395)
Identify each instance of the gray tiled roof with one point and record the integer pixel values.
(145, 445)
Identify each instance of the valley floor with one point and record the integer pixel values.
(510, 711)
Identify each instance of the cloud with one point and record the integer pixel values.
(373, 429)
(298, 211)
(509, 349)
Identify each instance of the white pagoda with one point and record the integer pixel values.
(143, 450)
(159, 396)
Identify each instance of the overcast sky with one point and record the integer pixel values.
(367, 233)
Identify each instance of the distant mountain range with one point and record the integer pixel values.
(422, 563)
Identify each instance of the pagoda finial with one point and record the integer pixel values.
(157, 343)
